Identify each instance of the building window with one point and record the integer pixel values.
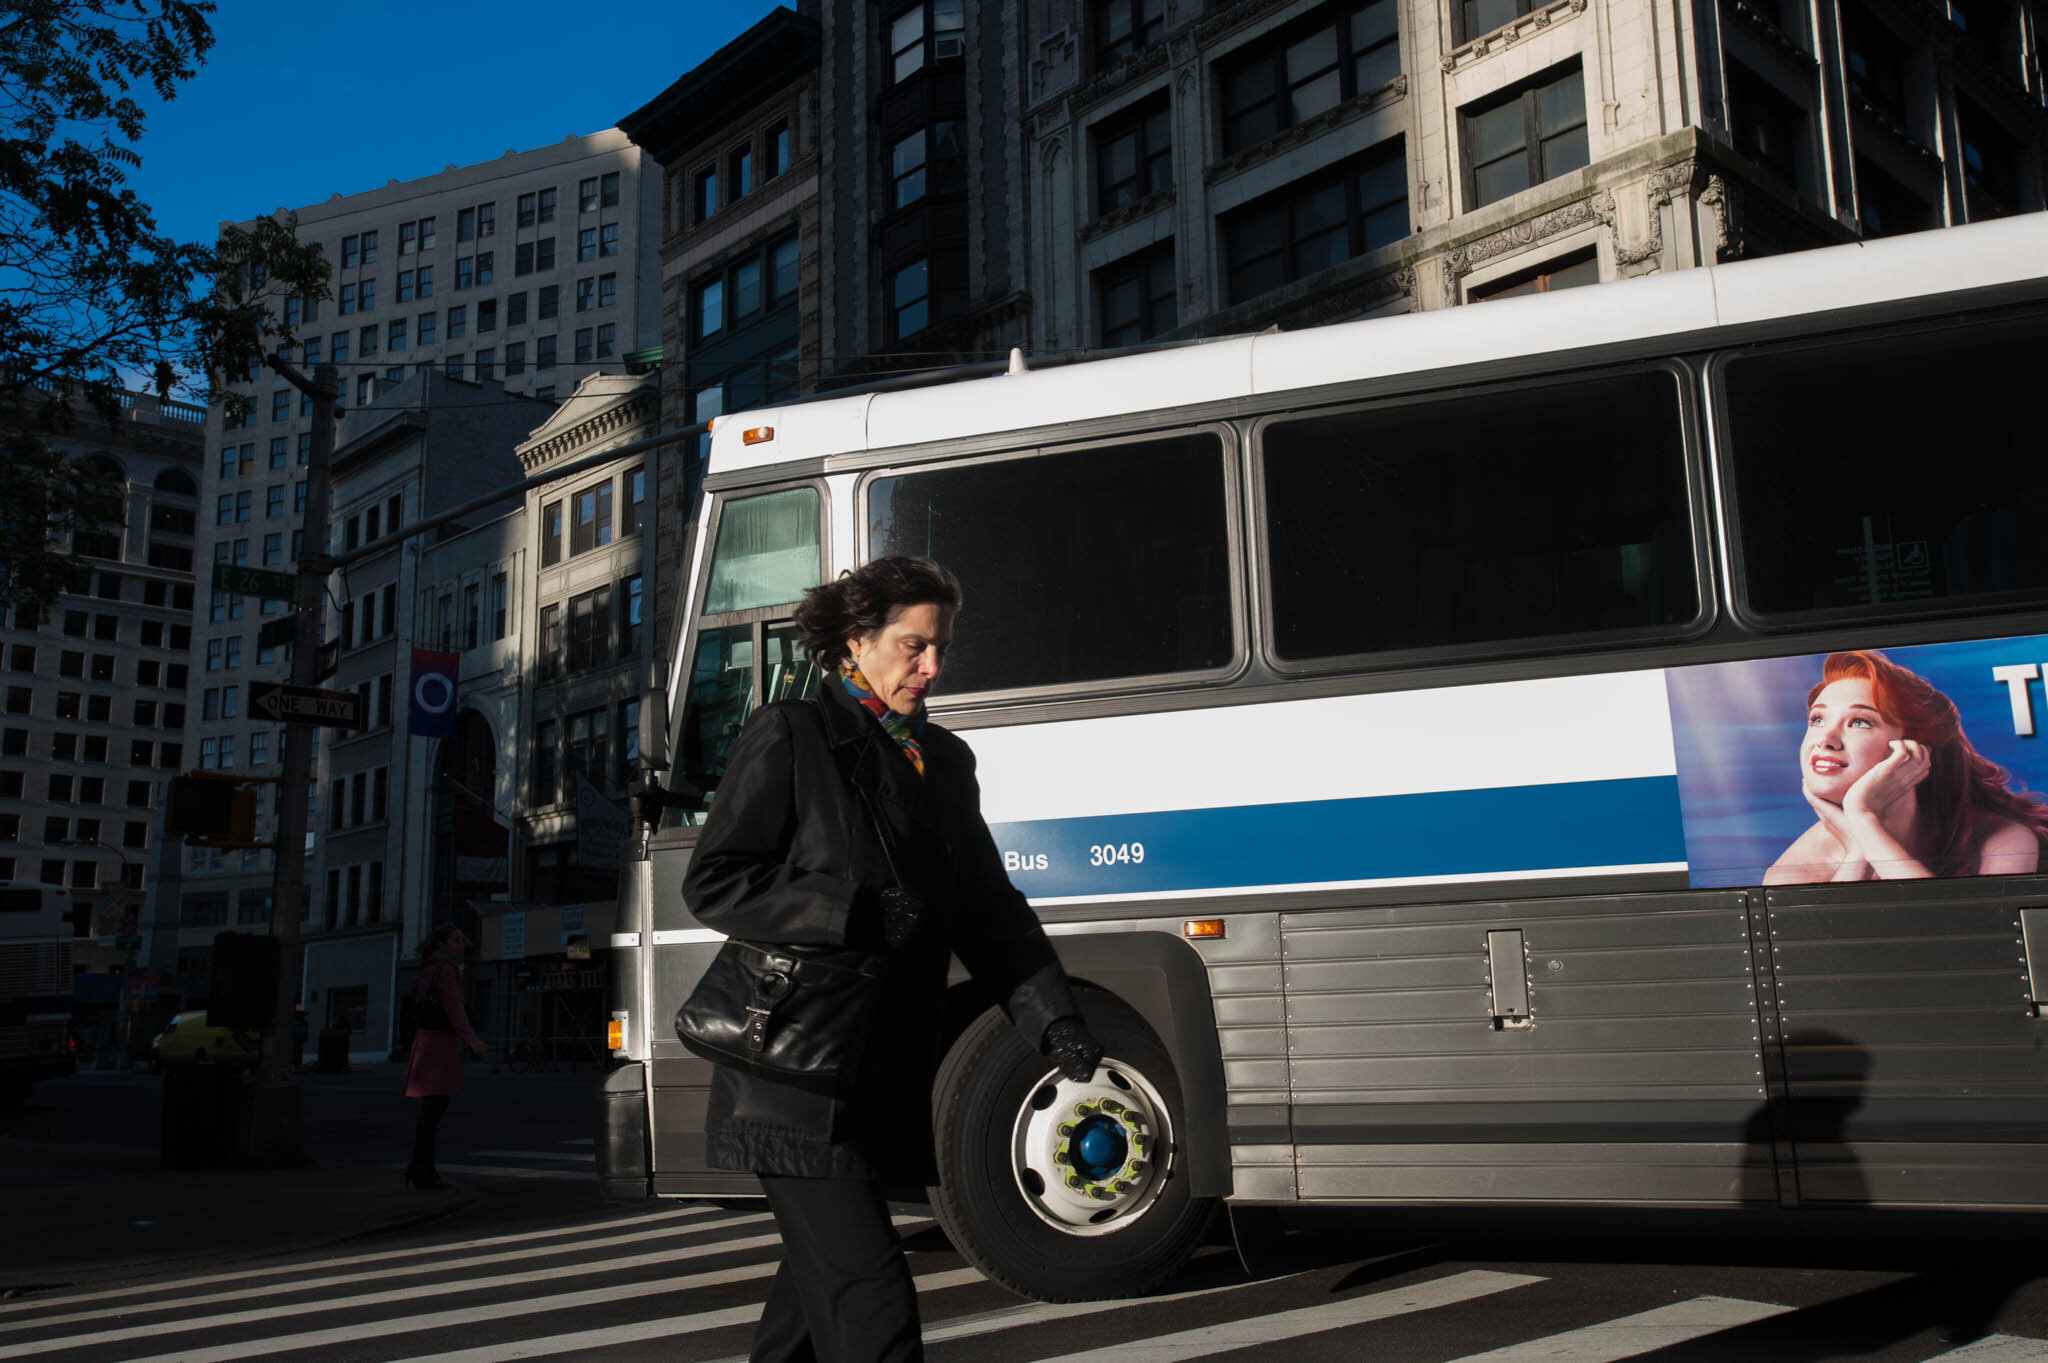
(607, 290)
(351, 252)
(486, 316)
(708, 307)
(1569, 272)
(550, 651)
(586, 245)
(1342, 51)
(547, 786)
(515, 359)
(590, 621)
(1134, 297)
(942, 20)
(1357, 206)
(483, 363)
(500, 588)
(1484, 16)
(587, 753)
(930, 160)
(778, 150)
(1991, 163)
(1121, 27)
(1885, 207)
(1529, 133)
(515, 310)
(395, 334)
(348, 299)
(583, 344)
(1876, 62)
(405, 286)
(426, 234)
(586, 195)
(607, 337)
(586, 294)
(549, 302)
(1133, 155)
(910, 299)
(369, 248)
(427, 329)
(608, 239)
(592, 526)
(634, 502)
(544, 353)
(465, 272)
(426, 281)
(524, 211)
(484, 260)
(632, 593)
(408, 238)
(551, 534)
(739, 173)
(608, 190)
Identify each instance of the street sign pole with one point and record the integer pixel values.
(276, 1135)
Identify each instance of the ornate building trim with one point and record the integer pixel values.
(1135, 211)
(1289, 138)
(1508, 34)
(1460, 261)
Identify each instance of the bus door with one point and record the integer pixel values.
(1911, 1044)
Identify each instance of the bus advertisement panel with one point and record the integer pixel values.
(1901, 764)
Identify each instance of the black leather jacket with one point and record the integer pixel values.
(789, 840)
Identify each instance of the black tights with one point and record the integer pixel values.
(432, 1108)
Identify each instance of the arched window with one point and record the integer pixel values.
(177, 482)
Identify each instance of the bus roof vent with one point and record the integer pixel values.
(1017, 365)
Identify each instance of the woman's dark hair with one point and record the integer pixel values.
(866, 598)
(441, 933)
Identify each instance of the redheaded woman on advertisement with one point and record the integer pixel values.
(1898, 791)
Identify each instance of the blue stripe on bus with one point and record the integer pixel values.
(1459, 833)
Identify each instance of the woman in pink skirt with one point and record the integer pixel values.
(434, 1073)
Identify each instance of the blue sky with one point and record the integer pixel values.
(299, 102)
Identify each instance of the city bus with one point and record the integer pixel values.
(1437, 747)
(35, 987)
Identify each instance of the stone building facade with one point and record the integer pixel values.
(1227, 167)
(95, 689)
(525, 273)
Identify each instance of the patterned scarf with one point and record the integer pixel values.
(903, 728)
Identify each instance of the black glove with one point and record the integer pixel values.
(886, 918)
(1070, 1046)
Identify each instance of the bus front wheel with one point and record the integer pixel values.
(1059, 1190)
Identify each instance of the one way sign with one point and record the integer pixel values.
(306, 705)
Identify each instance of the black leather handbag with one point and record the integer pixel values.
(797, 1015)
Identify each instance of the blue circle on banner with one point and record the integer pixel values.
(439, 681)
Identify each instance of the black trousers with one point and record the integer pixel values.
(843, 1293)
(432, 1108)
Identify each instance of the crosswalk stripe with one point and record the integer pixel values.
(583, 1341)
(1997, 1349)
(1041, 1313)
(1308, 1320)
(1627, 1336)
(514, 1171)
(159, 1299)
(563, 1155)
(433, 1320)
(159, 1287)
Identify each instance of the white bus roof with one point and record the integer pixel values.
(1945, 260)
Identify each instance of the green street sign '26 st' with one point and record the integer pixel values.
(238, 577)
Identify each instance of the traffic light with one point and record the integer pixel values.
(204, 808)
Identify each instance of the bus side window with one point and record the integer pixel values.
(1484, 517)
(1889, 469)
(1079, 566)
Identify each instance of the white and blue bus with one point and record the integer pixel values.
(1438, 747)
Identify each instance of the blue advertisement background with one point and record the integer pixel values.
(1737, 728)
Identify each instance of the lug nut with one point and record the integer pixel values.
(1066, 1128)
(1061, 1157)
(1100, 1193)
(1074, 1181)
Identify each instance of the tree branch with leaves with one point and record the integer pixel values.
(94, 299)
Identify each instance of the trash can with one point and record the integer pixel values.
(333, 1056)
(199, 1114)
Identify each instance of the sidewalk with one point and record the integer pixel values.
(99, 1209)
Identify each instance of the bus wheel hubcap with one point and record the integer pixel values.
(1091, 1157)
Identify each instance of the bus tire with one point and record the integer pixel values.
(1012, 1132)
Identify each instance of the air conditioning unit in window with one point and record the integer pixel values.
(948, 45)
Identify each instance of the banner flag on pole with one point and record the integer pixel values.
(433, 692)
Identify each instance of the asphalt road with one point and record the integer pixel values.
(537, 1267)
